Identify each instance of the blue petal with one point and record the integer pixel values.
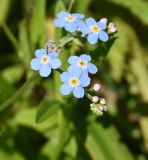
(102, 25)
(92, 68)
(103, 36)
(65, 76)
(45, 70)
(83, 27)
(35, 64)
(53, 54)
(73, 59)
(39, 53)
(59, 22)
(85, 57)
(75, 71)
(92, 38)
(84, 80)
(62, 14)
(66, 89)
(80, 16)
(90, 22)
(55, 63)
(70, 26)
(78, 92)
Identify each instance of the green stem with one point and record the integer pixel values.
(62, 136)
(70, 5)
(21, 90)
(66, 41)
(10, 36)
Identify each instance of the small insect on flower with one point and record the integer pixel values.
(50, 46)
(45, 61)
(82, 62)
(68, 21)
(74, 81)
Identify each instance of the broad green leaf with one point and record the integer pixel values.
(138, 7)
(13, 74)
(37, 26)
(106, 143)
(71, 147)
(46, 109)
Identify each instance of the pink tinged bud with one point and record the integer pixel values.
(96, 87)
(103, 20)
(103, 108)
(95, 99)
(112, 28)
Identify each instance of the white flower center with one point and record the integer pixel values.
(45, 59)
(95, 29)
(74, 81)
(70, 18)
(82, 64)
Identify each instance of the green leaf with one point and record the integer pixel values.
(59, 7)
(82, 7)
(6, 89)
(46, 109)
(4, 8)
(104, 143)
(13, 74)
(138, 8)
(37, 26)
(25, 51)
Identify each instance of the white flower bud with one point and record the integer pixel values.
(103, 20)
(96, 87)
(95, 99)
(102, 101)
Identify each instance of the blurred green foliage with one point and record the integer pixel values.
(71, 131)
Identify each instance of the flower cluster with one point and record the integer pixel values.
(93, 30)
(76, 79)
(77, 76)
(98, 105)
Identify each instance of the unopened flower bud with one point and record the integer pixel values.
(102, 101)
(103, 108)
(112, 28)
(103, 20)
(95, 99)
(96, 87)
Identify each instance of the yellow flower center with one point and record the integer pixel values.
(95, 29)
(45, 59)
(70, 18)
(82, 64)
(74, 81)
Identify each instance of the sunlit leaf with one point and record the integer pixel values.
(46, 109)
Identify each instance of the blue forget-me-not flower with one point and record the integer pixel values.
(82, 62)
(94, 30)
(68, 21)
(74, 81)
(44, 62)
